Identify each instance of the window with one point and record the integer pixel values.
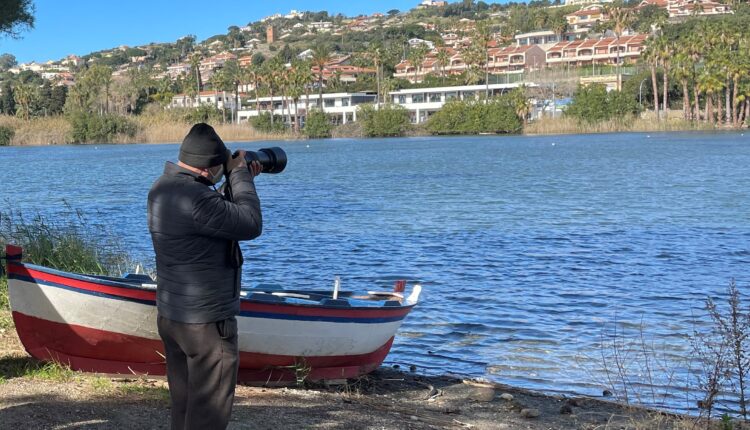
(434, 97)
(451, 96)
(329, 102)
(401, 99)
(417, 98)
(344, 102)
(469, 95)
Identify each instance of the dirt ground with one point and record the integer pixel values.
(33, 396)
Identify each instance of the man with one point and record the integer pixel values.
(195, 230)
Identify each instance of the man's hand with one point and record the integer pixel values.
(237, 161)
(255, 168)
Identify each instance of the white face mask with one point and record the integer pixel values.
(216, 178)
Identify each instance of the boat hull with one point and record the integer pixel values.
(101, 326)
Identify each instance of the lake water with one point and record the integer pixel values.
(531, 250)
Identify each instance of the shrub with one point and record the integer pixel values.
(317, 125)
(93, 128)
(6, 135)
(592, 104)
(471, 117)
(263, 123)
(203, 113)
(388, 121)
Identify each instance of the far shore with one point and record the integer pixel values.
(56, 131)
(33, 395)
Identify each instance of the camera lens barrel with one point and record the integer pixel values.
(273, 159)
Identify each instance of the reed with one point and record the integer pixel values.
(568, 125)
(53, 130)
(151, 128)
(69, 241)
(165, 130)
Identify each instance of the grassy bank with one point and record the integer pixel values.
(149, 129)
(568, 125)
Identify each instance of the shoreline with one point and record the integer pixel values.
(44, 396)
(55, 130)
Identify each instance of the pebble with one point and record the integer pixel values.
(482, 394)
(530, 413)
(414, 418)
(566, 409)
(607, 393)
(412, 368)
(506, 396)
(396, 366)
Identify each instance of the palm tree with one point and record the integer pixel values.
(273, 72)
(683, 71)
(621, 18)
(710, 83)
(320, 59)
(651, 56)
(442, 58)
(664, 52)
(195, 63)
(377, 54)
(416, 57)
(252, 75)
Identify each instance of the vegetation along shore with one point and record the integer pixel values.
(513, 68)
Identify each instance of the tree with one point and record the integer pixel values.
(621, 18)
(393, 12)
(443, 60)
(651, 56)
(416, 57)
(7, 100)
(26, 96)
(320, 59)
(7, 61)
(15, 16)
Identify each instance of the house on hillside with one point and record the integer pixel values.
(602, 51)
(425, 4)
(587, 17)
(685, 8)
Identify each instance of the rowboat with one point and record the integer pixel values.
(108, 325)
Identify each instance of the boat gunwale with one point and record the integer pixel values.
(132, 286)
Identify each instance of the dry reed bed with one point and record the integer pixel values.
(56, 131)
(571, 126)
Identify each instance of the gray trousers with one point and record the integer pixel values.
(202, 364)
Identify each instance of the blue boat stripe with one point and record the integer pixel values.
(249, 314)
(270, 315)
(79, 290)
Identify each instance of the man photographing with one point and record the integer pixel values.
(195, 230)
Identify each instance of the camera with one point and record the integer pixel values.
(273, 160)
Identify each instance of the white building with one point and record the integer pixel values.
(423, 102)
(220, 99)
(341, 106)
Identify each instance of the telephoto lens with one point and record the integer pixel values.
(273, 159)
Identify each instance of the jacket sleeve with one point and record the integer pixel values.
(214, 216)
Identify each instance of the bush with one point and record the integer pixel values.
(93, 128)
(472, 117)
(6, 135)
(388, 121)
(204, 113)
(592, 104)
(317, 125)
(263, 123)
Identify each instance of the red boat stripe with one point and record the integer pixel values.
(94, 350)
(245, 305)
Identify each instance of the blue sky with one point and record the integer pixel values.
(83, 26)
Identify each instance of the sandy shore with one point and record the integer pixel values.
(32, 396)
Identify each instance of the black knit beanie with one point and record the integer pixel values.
(203, 148)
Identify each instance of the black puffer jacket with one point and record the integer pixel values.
(194, 230)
